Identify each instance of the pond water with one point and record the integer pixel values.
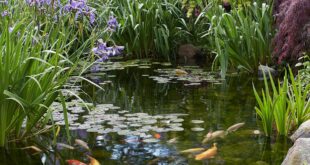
(146, 101)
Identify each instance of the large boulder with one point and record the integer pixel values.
(188, 54)
(302, 132)
(299, 154)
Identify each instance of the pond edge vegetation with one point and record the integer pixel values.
(44, 43)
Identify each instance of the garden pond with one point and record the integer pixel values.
(148, 112)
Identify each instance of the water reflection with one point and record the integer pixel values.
(219, 105)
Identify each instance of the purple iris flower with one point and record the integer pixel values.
(112, 23)
(5, 2)
(4, 13)
(41, 3)
(117, 50)
(80, 8)
(11, 29)
(104, 52)
(92, 17)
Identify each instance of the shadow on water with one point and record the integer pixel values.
(219, 105)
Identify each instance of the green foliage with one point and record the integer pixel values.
(280, 106)
(148, 27)
(283, 106)
(32, 70)
(304, 70)
(299, 99)
(241, 38)
(191, 6)
(265, 108)
(34, 55)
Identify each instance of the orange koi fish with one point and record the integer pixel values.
(75, 162)
(210, 153)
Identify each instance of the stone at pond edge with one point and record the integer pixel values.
(187, 54)
(302, 132)
(299, 154)
(263, 69)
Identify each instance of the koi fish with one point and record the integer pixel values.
(93, 161)
(213, 135)
(65, 146)
(75, 162)
(82, 143)
(173, 140)
(235, 127)
(193, 150)
(157, 136)
(210, 153)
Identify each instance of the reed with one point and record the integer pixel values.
(148, 28)
(299, 99)
(265, 108)
(34, 65)
(285, 105)
(241, 39)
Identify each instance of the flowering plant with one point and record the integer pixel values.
(80, 8)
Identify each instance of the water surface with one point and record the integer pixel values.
(219, 105)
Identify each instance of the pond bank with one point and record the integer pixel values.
(299, 154)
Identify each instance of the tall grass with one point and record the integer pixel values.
(40, 47)
(33, 67)
(149, 27)
(241, 38)
(284, 105)
(265, 108)
(299, 99)
(304, 69)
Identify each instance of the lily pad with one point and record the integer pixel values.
(197, 121)
(151, 140)
(197, 129)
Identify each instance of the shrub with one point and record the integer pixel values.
(292, 38)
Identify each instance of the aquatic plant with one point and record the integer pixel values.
(292, 37)
(281, 109)
(285, 106)
(193, 7)
(265, 108)
(149, 28)
(33, 69)
(241, 39)
(299, 99)
(273, 107)
(80, 9)
(304, 69)
(103, 51)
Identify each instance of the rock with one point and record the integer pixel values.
(264, 69)
(187, 53)
(302, 132)
(299, 154)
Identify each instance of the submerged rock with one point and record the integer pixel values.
(299, 154)
(264, 69)
(302, 132)
(187, 53)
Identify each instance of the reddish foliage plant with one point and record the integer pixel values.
(293, 23)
